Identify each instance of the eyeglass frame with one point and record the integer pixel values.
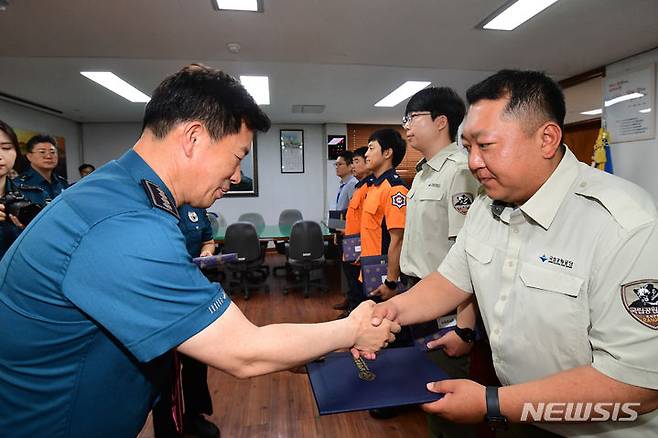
(407, 119)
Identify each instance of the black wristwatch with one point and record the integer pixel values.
(467, 334)
(495, 419)
(392, 285)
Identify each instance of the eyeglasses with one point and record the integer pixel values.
(408, 118)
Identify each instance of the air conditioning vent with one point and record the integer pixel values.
(308, 109)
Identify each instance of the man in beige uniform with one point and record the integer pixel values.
(562, 260)
(440, 196)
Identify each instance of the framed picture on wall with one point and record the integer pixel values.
(335, 145)
(248, 185)
(292, 150)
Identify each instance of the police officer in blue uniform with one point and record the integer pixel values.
(99, 289)
(43, 157)
(196, 229)
(10, 226)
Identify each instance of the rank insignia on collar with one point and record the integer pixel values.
(159, 198)
(462, 202)
(399, 200)
(640, 298)
(193, 216)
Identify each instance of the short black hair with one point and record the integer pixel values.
(85, 166)
(389, 138)
(440, 101)
(530, 93)
(360, 152)
(202, 93)
(346, 155)
(40, 138)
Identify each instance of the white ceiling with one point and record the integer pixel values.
(339, 53)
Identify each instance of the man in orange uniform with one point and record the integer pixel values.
(353, 226)
(384, 209)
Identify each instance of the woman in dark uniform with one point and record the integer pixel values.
(10, 227)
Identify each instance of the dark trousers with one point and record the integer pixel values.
(354, 286)
(194, 378)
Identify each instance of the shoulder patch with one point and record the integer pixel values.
(399, 200)
(462, 202)
(640, 299)
(159, 198)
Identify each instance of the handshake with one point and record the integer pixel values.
(375, 328)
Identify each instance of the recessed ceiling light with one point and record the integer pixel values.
(239, 5)
(593, 112)
(114, 83)
(646, 110)
(517, 13)
(258, 87)
(405, 90)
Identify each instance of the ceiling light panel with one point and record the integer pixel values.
(239, 5)
(114, 83)
(258, 87)
(516, 14)
(404, 91)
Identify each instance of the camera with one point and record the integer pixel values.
(16, 204)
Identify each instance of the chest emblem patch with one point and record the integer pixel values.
(640, 299)
(462, 202)
(399, 200)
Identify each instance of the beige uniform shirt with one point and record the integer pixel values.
(567, 279)
(440, 195)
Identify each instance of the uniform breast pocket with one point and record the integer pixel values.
(370, 217)
(480, 256)
(430, 194)
(554, 308)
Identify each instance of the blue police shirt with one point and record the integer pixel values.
(50, 189)
(8, 231)
(93, 294)
(196, 228)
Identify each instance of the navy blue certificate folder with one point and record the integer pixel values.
(401, 378)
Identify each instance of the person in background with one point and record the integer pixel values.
(197, 231)
(10, 226)
(353, 226)
(347, 180)
(85, 169)
(43, 157)
(440, 196)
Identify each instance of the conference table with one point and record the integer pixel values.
(275, 233)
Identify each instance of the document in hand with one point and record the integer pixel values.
(400, 378)
(214, 260)
(351, 247)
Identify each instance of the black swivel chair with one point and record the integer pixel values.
(241, 238)
(306, 254)
(254, 218)
(286, 219)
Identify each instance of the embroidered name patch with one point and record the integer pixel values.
(462, 201)
(640, 299)
(399, 200)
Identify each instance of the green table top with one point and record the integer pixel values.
(270, 232)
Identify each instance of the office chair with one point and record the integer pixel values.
(241, 238)
(286, 219)
(254, 218)
(306, 254)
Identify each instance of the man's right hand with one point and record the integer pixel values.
(370, 338)
(384, 311)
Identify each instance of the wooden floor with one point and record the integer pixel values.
(282, 404)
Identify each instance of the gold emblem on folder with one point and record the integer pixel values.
(364, 371)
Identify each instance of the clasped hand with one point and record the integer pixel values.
(371, 338)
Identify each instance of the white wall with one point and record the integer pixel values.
(636, 161)
(20, 117)
(306, 192)
(103, 142)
